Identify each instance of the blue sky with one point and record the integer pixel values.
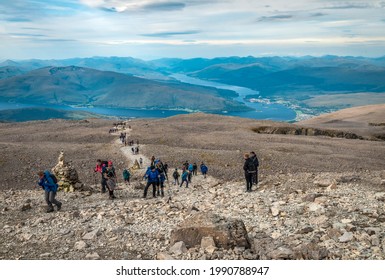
(151, 29)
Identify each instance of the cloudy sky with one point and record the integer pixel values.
(151, 29)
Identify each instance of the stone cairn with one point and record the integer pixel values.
(66, 175)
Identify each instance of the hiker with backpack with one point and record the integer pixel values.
(160, 187)
(204, 169)
(249, 168)
(100, 165)
(152, 176)
(254, 158)
(49, 184)
(195, 169)
(190, 171)
(110, 176)
(185, 176)
(176, 176)
(126, 176)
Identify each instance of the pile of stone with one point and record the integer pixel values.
(66, 174)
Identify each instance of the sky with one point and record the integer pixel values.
(150, 29)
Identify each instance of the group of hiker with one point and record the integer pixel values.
(188, 170)
(155, 174)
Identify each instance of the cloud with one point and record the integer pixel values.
(347, 6)
(119, 6)
(27, 35)
(164, 6)
(276, 18)
(18, 19)
(318, 15)
(170, 34)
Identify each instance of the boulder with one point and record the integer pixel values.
(164, 256)
(227, 233)
(346, 237)
(208, 244)
(178, 248)
(93, 256)
(281, 253)
(80, 245)
(310, 251)
(91, 235)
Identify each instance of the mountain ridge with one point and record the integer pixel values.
(73, 85)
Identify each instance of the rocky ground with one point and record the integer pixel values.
(301, 216)
(318, 198)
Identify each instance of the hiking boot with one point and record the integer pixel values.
(49, 209)
(103, 190)
(59, 206)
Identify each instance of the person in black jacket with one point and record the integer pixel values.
(254, 158)
(249, 168)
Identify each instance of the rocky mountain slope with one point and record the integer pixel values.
(368, 121)
(318, 197)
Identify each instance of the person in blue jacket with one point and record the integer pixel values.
(185, 176)
(47, 182)
(152, 176)
(190, 171)
(204, 169)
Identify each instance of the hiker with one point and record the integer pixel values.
(176, 176)
(165, 168)
(100, 165)
(126, 176)
(204, 169)
(152, 176)
(185, 176)
(249, 168)
(195, 169)
(133, 150)
(160, 185)
(47, 182)
(254, 158)
(190, 171)
(140, 162)
(110, 175)
(153, 160)
(185, 164)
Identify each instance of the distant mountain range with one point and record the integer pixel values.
(127, 82)
(38, 113)
(72, 85)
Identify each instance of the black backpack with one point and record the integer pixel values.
(251, 166)
(54, 179)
